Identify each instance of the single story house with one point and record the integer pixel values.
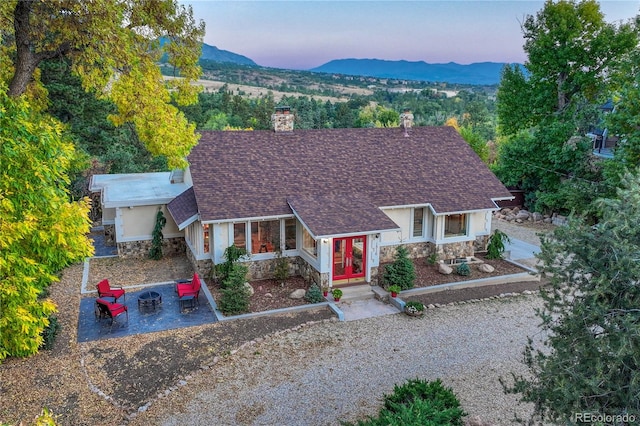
(335, 202)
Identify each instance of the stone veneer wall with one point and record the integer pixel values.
(258, 269)
(139, 249)
(456, 250)
(311, 275)
(481, 243)
(416, 250)
(264, 269)
(109, 235)
(202, 267)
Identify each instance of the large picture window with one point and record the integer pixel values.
(455, 225)
(418, 222)
(265, 236)
(308, 243)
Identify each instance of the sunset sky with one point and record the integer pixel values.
(305, 34)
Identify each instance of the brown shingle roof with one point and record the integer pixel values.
(331, 214)
(244, 174)
(183, 207)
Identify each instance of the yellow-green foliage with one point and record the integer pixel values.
(114, 47)
(41, 230)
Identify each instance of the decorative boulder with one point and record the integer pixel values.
(537, 217)
(522, 215)
(485, 267)
(251, 290)
(298, 294)
(444, 269)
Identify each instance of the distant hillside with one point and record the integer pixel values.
(481, 73)
(212, 53)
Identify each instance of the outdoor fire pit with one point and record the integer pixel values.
(149, 300)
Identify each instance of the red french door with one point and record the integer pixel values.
(349, 257)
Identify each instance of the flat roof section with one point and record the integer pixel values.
(136, 189)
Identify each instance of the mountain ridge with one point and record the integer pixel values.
(479, 73)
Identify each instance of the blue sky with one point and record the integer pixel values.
(298, 34)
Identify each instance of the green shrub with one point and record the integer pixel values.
(401, 272)
(50, 333)
(235, 296)
(418, 403)
(155, 252)
(314, 294)
(495, 249)
(231, 254)
(432, 258)
(336, 293)
(281, 271)
(413, 305)
(463, 269)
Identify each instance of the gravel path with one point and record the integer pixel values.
(334, 371)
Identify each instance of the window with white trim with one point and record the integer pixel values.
(455, 225)
(265, 236)
(308, 243)
(205, 235)
(418, 222)
(290, 233)
(240, 235)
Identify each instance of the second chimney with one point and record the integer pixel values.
(282, 119)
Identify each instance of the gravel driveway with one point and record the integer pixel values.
(336, 371)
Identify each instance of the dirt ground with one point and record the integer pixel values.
(106, 381)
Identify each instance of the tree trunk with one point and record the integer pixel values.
(562, 94)
(26, 61)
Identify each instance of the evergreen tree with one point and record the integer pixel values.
(401, 272)
(591, 315)
(235, 295)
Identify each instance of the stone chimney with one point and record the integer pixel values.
(406, 119)
(282, 119)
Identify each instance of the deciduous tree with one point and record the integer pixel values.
(41, 230)
(571, 50)
(113, 46)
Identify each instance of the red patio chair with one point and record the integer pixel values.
(189, 288)
(107, 309)
(105, 290)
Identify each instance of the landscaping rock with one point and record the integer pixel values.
(522, 215)
(537, 217)
(444, 269)
(297, 294)
(251, 290)
(485, 267)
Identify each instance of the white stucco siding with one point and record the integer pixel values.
(479, 223)
(402, 217)
(137, 223)
(220, 241)
(108, 216)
